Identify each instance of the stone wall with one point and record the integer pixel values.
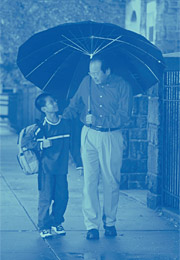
(168, 25)
(134, 168)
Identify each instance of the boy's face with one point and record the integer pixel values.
(51, 105)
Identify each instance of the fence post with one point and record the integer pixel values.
(155, 147)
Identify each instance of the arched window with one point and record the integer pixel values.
(133, 16)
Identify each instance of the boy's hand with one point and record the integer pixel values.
(90, 119)
(46, 143)
(80, 171)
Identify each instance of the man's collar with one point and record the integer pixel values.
(107, 81)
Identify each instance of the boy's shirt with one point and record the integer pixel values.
(54, 159)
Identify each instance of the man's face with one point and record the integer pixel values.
(51, 105)
(96, 72)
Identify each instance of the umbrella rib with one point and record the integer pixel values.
(82, 45)
(73, 47)
(79, 47)
(53, 74)
(145, 65)
(120, 41)
(76, 69)
(144, 42)
(50, 78)
(99, 32)
(101, 39)
(112, 40)
(44, 62)
(36, 51)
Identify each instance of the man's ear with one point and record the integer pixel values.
(43, 109)
(108, 72)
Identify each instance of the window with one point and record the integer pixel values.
(151, 33)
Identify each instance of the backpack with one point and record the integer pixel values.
(27, 158)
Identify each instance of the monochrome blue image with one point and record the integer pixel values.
(90, 130)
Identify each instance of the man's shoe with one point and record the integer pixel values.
(45, 233)
(110, 231)
(92, 234)
(59, 230)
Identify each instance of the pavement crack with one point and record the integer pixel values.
(52, 250)
(18, 200)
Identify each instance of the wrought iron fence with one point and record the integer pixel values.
(171, 139)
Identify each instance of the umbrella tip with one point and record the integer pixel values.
(91, 55)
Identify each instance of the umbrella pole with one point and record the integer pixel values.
(89, 96)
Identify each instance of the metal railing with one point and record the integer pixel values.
(171, 139)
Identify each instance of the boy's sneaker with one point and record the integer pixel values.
(59, 230)
(45, 233)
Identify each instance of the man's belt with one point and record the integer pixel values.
(101, 129)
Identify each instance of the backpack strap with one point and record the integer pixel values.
(20, 140)
(23, 133)
(40, 127)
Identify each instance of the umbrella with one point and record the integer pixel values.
(57, 59)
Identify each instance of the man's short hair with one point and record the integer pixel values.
(41, 100)
(104, 63)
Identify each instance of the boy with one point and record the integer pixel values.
(51, 141)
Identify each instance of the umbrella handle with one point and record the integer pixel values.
(89, 104)
(89, 96)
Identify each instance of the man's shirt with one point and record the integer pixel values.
(110, 103)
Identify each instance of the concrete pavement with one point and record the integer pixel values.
(142, 232)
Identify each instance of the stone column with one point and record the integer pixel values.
(155, 147)
(134, 167)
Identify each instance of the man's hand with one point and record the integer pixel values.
(90, 119)
(46, 143)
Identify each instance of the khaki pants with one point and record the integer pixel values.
(101, 153)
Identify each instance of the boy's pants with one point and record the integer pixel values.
(101, 153)
(53, 187)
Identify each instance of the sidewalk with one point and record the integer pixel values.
(142, 234)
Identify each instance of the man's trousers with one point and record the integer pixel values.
(54, 189)
(101, 154)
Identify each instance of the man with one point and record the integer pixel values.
(105, 105)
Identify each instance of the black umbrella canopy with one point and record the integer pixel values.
(56, 60)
